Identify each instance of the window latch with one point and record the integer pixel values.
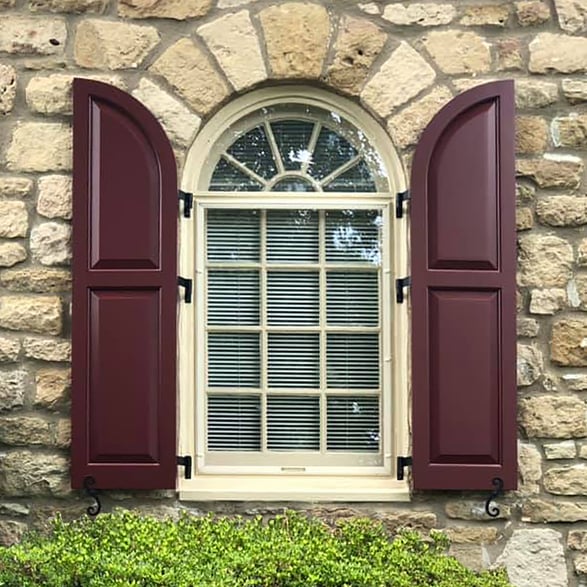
(188, 203)
(186, 462)
(399, 203)
(400, 285)
(402, 463)
(187, 285)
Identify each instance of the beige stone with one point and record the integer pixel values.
(36, 279)
(527, 327)
(509, 53)
(575, 381)
(69, 6)
(175, 9)
(407, 126)
(577, 540)
(458, 52)
(27, 473)
(9, 349)
(186, 67)
(570, 131)
(529, 469)
(529, 364)
(101, 44)
(552, 416)
(7, 88)
(53, 388)
(547, 301)
(535, 557)
(11, 254)
(552, 171)
(583, 451)
(28, 149)
(472, 534)
(51, 243)
(419, 14)
(569, 342)
(297, 36)
(367, 7)
(580, 564)
(572, 15)
(473, 510)
(541, 511)
(12, 389)
(524, 219)
(532, 12)
(47, 349)
(15, 187)
(25, 431)
(525, 194)
(14, 220)
(544, 261)
(55, 196)
(232, 39)
(575, 90)
(552, 53)
(566, 480)
(32, 36)
(560, 450)
(582, 253)
(410, 74)
(358, 44)
(406, 519)
(32, 314)
(496, 15)
(531, 93)
(62, 433)
(562, 210)
(531, 134)
(233, 3)
(11, 532)
(469, 555)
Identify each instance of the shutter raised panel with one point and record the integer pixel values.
(124, 294)
(463, 294)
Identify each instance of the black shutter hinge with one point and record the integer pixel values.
(186, 461)
(400, 285)
(188, 202)
(402, 463)
(399, 203)
(187, 285)
(93, 492)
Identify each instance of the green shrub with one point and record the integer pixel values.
(125, 549)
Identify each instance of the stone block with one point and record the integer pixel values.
(529, 469)
(53, 388)
(11, 532)
(12, 389)
(554, 53)
(14, 220)
(7, 88)
(473, 510)
(35, 279)
(553, 416)
(560, 450)
(572, 15)
(566, 480)
(42, 315)
(55, 193)
(416, 14)
(9, 349)
(15, 187)
(25, 431)
(547, 301)
(575, 90)
(527, 327)
(532, 12)
(570, 131)
(531, 93)
(553, 171)
(494, 15)
(69, 6)
(529, 364)
(175, 9)
(544, 261)
(47, 349)
(21, 35)
(531, 134)
(11, 254)
(51, 243)
(459, 52)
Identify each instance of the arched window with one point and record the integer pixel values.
(295, 369)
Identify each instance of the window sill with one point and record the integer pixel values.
(290, 488)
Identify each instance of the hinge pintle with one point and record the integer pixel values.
(186, 461)
(188, 202)
(187, 285)
(402, 463)
(400, 198)
(400, 285)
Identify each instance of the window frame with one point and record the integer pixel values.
(313, 486)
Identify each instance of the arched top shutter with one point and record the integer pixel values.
(463, 294)
(124, 293)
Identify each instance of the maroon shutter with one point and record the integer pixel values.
(463, 294)
(124, 293)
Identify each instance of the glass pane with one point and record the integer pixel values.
(293, 138)
(353, 423)
(293, 423)
(227, 178)
(293, 184)
(294, 360)
(233, 236)
(332, 151)
(233, 297)
(233, 359)
(353, 236)
(234, 422)
(352, 299)
(292, 236)
(352, 361)
(293, 298)
(357, 179)
(253, 150)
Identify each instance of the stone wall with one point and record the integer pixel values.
(402, 61)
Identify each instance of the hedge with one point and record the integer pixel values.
(125, 549)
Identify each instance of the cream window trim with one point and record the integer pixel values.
(291, 485)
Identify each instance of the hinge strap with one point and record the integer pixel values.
(400, 285)
(187, 284)
(399, 203)
(188, 202)
(402, 463)
(186, 462)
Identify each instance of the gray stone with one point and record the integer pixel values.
(12, 389)
(51, 243)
